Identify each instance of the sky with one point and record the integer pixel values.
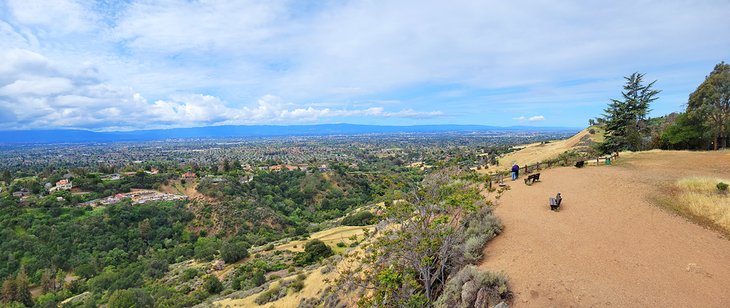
(124, 65)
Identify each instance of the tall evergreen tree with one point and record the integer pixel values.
(23, 291)
(625, 127)
(9, 291)
(711, 102)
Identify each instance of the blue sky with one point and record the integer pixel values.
(121, 65)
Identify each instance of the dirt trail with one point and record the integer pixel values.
(609, 246)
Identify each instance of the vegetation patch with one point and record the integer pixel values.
(702, 200)
(471, 287)
(430, 237)
(362, 218)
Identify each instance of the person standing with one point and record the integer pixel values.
(515, 172)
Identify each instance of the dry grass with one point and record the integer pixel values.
(699, 198)
(537, 152)
(316, 281)
(700, 185)
(313, 286)
(330, 237)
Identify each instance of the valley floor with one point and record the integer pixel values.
(609, 245)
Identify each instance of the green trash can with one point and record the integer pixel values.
(608, 161)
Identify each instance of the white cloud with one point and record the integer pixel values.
(342, 57)
(536, 118)
(172, 26)
(47, 97)
(63, 16)
(41, 86)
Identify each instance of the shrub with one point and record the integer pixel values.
(362, 218)
(470, 287)
(722, 187)
(297, 285)
(189, 273)
(481, 227)
(212, 284)
(474, 247)
(314, 251)
(234, 252)
(341, 244)
(270, 295)
(130, 298)
(269, 247)
(205, 249)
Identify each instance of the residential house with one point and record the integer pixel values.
(62, 185)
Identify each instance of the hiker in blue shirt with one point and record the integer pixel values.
(515, 172)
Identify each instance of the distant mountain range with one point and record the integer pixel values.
(243, 131)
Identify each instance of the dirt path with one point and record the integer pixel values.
(609, 246)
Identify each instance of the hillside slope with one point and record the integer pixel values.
(537, 152)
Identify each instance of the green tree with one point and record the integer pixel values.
(407, 265)
(314, 251)
(130, 298)
(9, 291)
(625, 118)
(23, 289)
(687, 132)
(711, 101)
(212, 284)
(6, 176)
(234, 252)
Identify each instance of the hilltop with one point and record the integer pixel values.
(615, 241)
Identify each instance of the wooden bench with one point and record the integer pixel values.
(580, 164)
(555, 202)
(532, 178)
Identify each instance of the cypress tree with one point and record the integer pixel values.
(625, 127)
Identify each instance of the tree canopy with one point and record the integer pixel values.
(711, 103)
(625, 127)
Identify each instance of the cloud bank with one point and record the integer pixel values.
(142, 63)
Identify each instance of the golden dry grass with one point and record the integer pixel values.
(330, 237)
(316, 281)
(700, 184)
(700, 197)
(537, 152)
(313, 285)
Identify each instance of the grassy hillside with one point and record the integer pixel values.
(537, 152)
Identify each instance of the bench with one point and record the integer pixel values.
(580, 164)
(532, 178)
(555, 202)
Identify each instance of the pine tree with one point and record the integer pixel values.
(625, 127)
(23, 291)
(9, 291)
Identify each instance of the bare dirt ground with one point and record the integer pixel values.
(609, 245)
(175, 187)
